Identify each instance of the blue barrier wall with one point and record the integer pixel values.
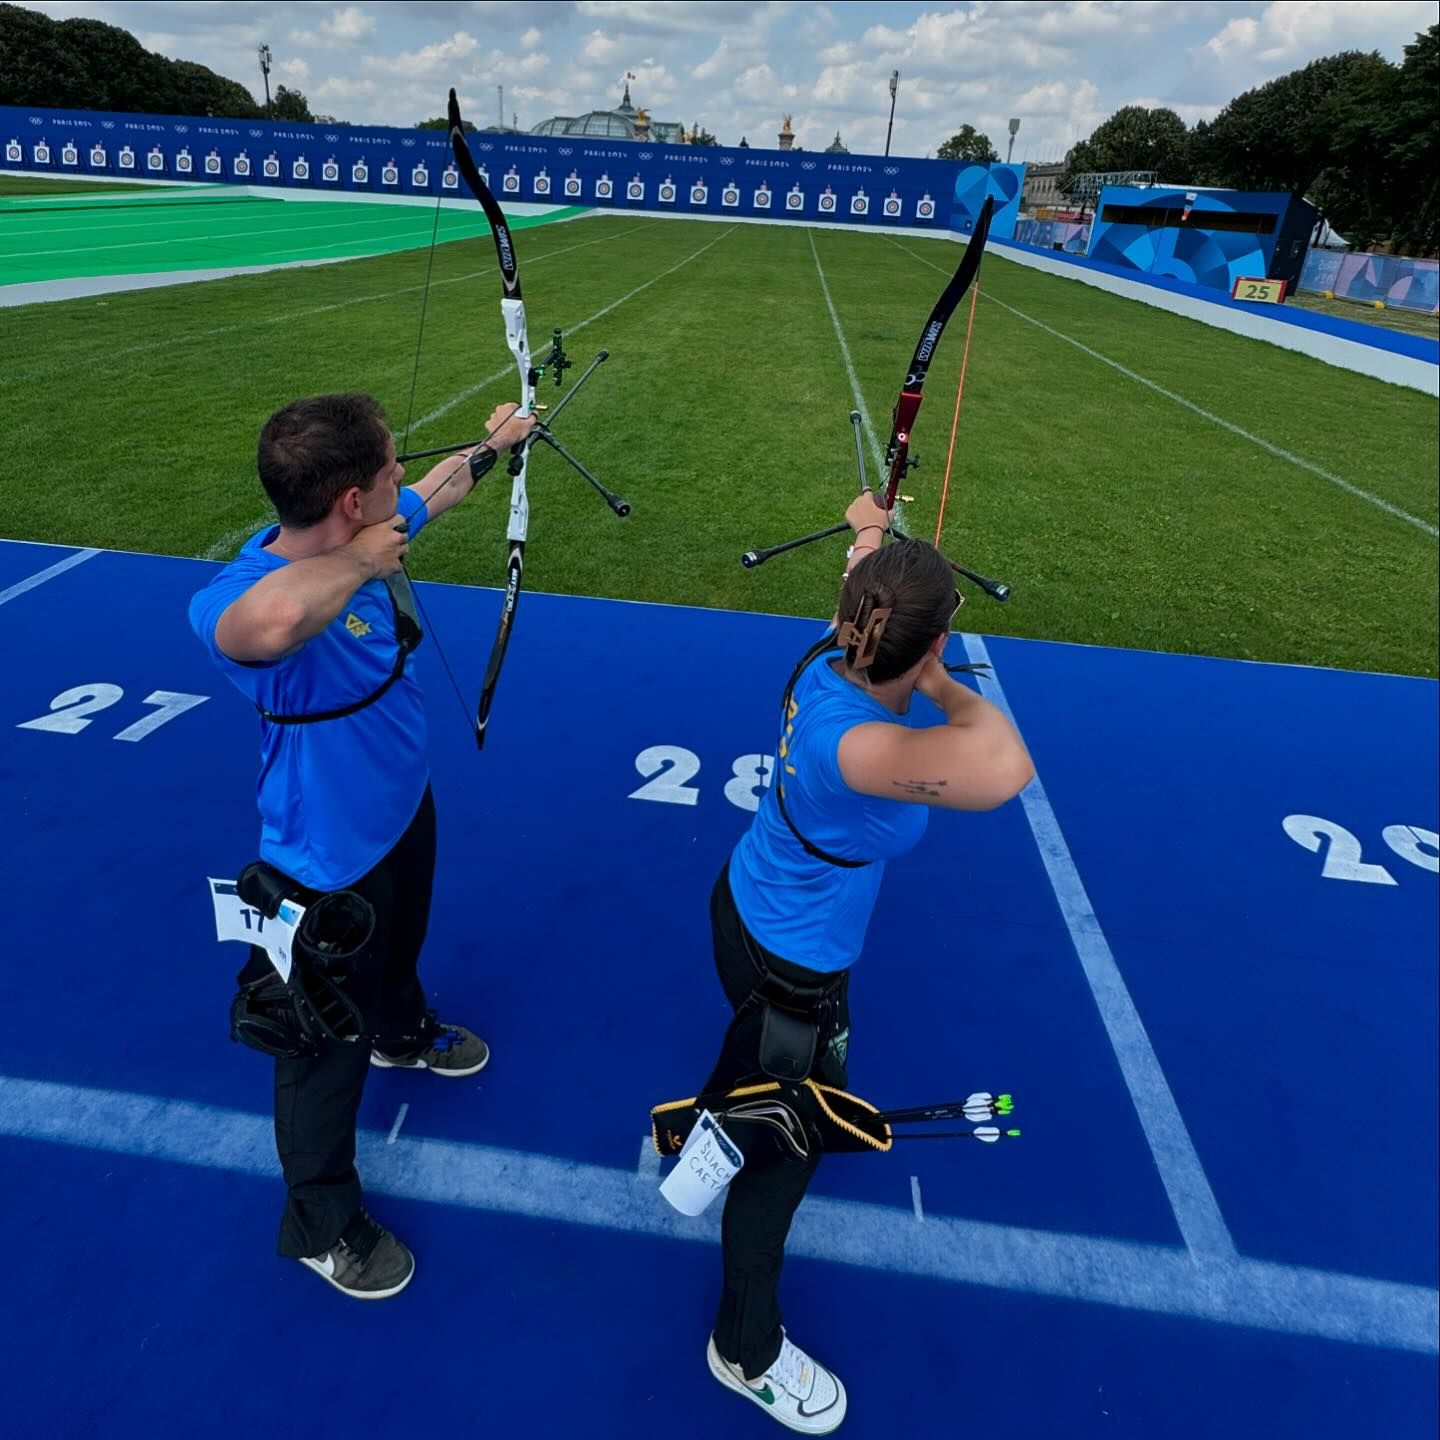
(1391, 355)
(973, 183)
(1070, 236)
(1399, 280)
(1209, 237)
(687, 179)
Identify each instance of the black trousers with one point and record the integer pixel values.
(760, 1202)
(318, 1097)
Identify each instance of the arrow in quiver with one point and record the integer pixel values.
(808, 1118)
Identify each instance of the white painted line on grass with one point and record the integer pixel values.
(349, 225)
(1080, 1268)
(875, 450)
(915, 1199)
(289, 316)
(399, 1121)
(58, 568)
(1196, 1210)
(177, 217)
(472, 390)
(1195, 409)
(224, 547)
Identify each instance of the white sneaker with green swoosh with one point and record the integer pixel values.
(795, 1390)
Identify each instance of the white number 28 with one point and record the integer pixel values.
(667, 768)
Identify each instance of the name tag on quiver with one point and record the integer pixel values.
(708, 1162)
(235, 920)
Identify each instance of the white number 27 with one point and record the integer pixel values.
(70, 711)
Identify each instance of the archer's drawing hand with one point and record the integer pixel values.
(508, 431)
(934, 681)
(380, 549)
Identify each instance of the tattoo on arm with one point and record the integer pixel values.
(920, 787)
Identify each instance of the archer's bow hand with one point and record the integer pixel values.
(867, 514)
(453, 479)
(505, 430)
(867, 508)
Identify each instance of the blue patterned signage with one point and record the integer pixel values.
(794, 184)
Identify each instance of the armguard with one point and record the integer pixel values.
(482, 462)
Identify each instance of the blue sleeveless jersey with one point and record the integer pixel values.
(801, 908)
(335, 795)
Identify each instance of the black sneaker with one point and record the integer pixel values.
(370, 1265)
(453, 1050)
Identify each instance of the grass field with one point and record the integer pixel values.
(1139, 479)
(30, 185)
(1409, 322)
(49, 236)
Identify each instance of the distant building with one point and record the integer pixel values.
(624, 122)
(836, 148)
(1041, 190)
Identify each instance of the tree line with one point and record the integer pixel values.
(88, 65)
(1353, 133)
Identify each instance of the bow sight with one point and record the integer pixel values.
(558, 362)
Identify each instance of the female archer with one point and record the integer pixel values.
(789, 909)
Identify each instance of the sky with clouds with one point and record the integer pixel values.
(738, 67)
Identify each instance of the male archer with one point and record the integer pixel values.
(313, 623)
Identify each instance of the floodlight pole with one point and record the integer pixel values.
(1014, 127)
(265, 72)
(894, 85)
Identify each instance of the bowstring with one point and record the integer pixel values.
(405, 445)
(955, 422)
